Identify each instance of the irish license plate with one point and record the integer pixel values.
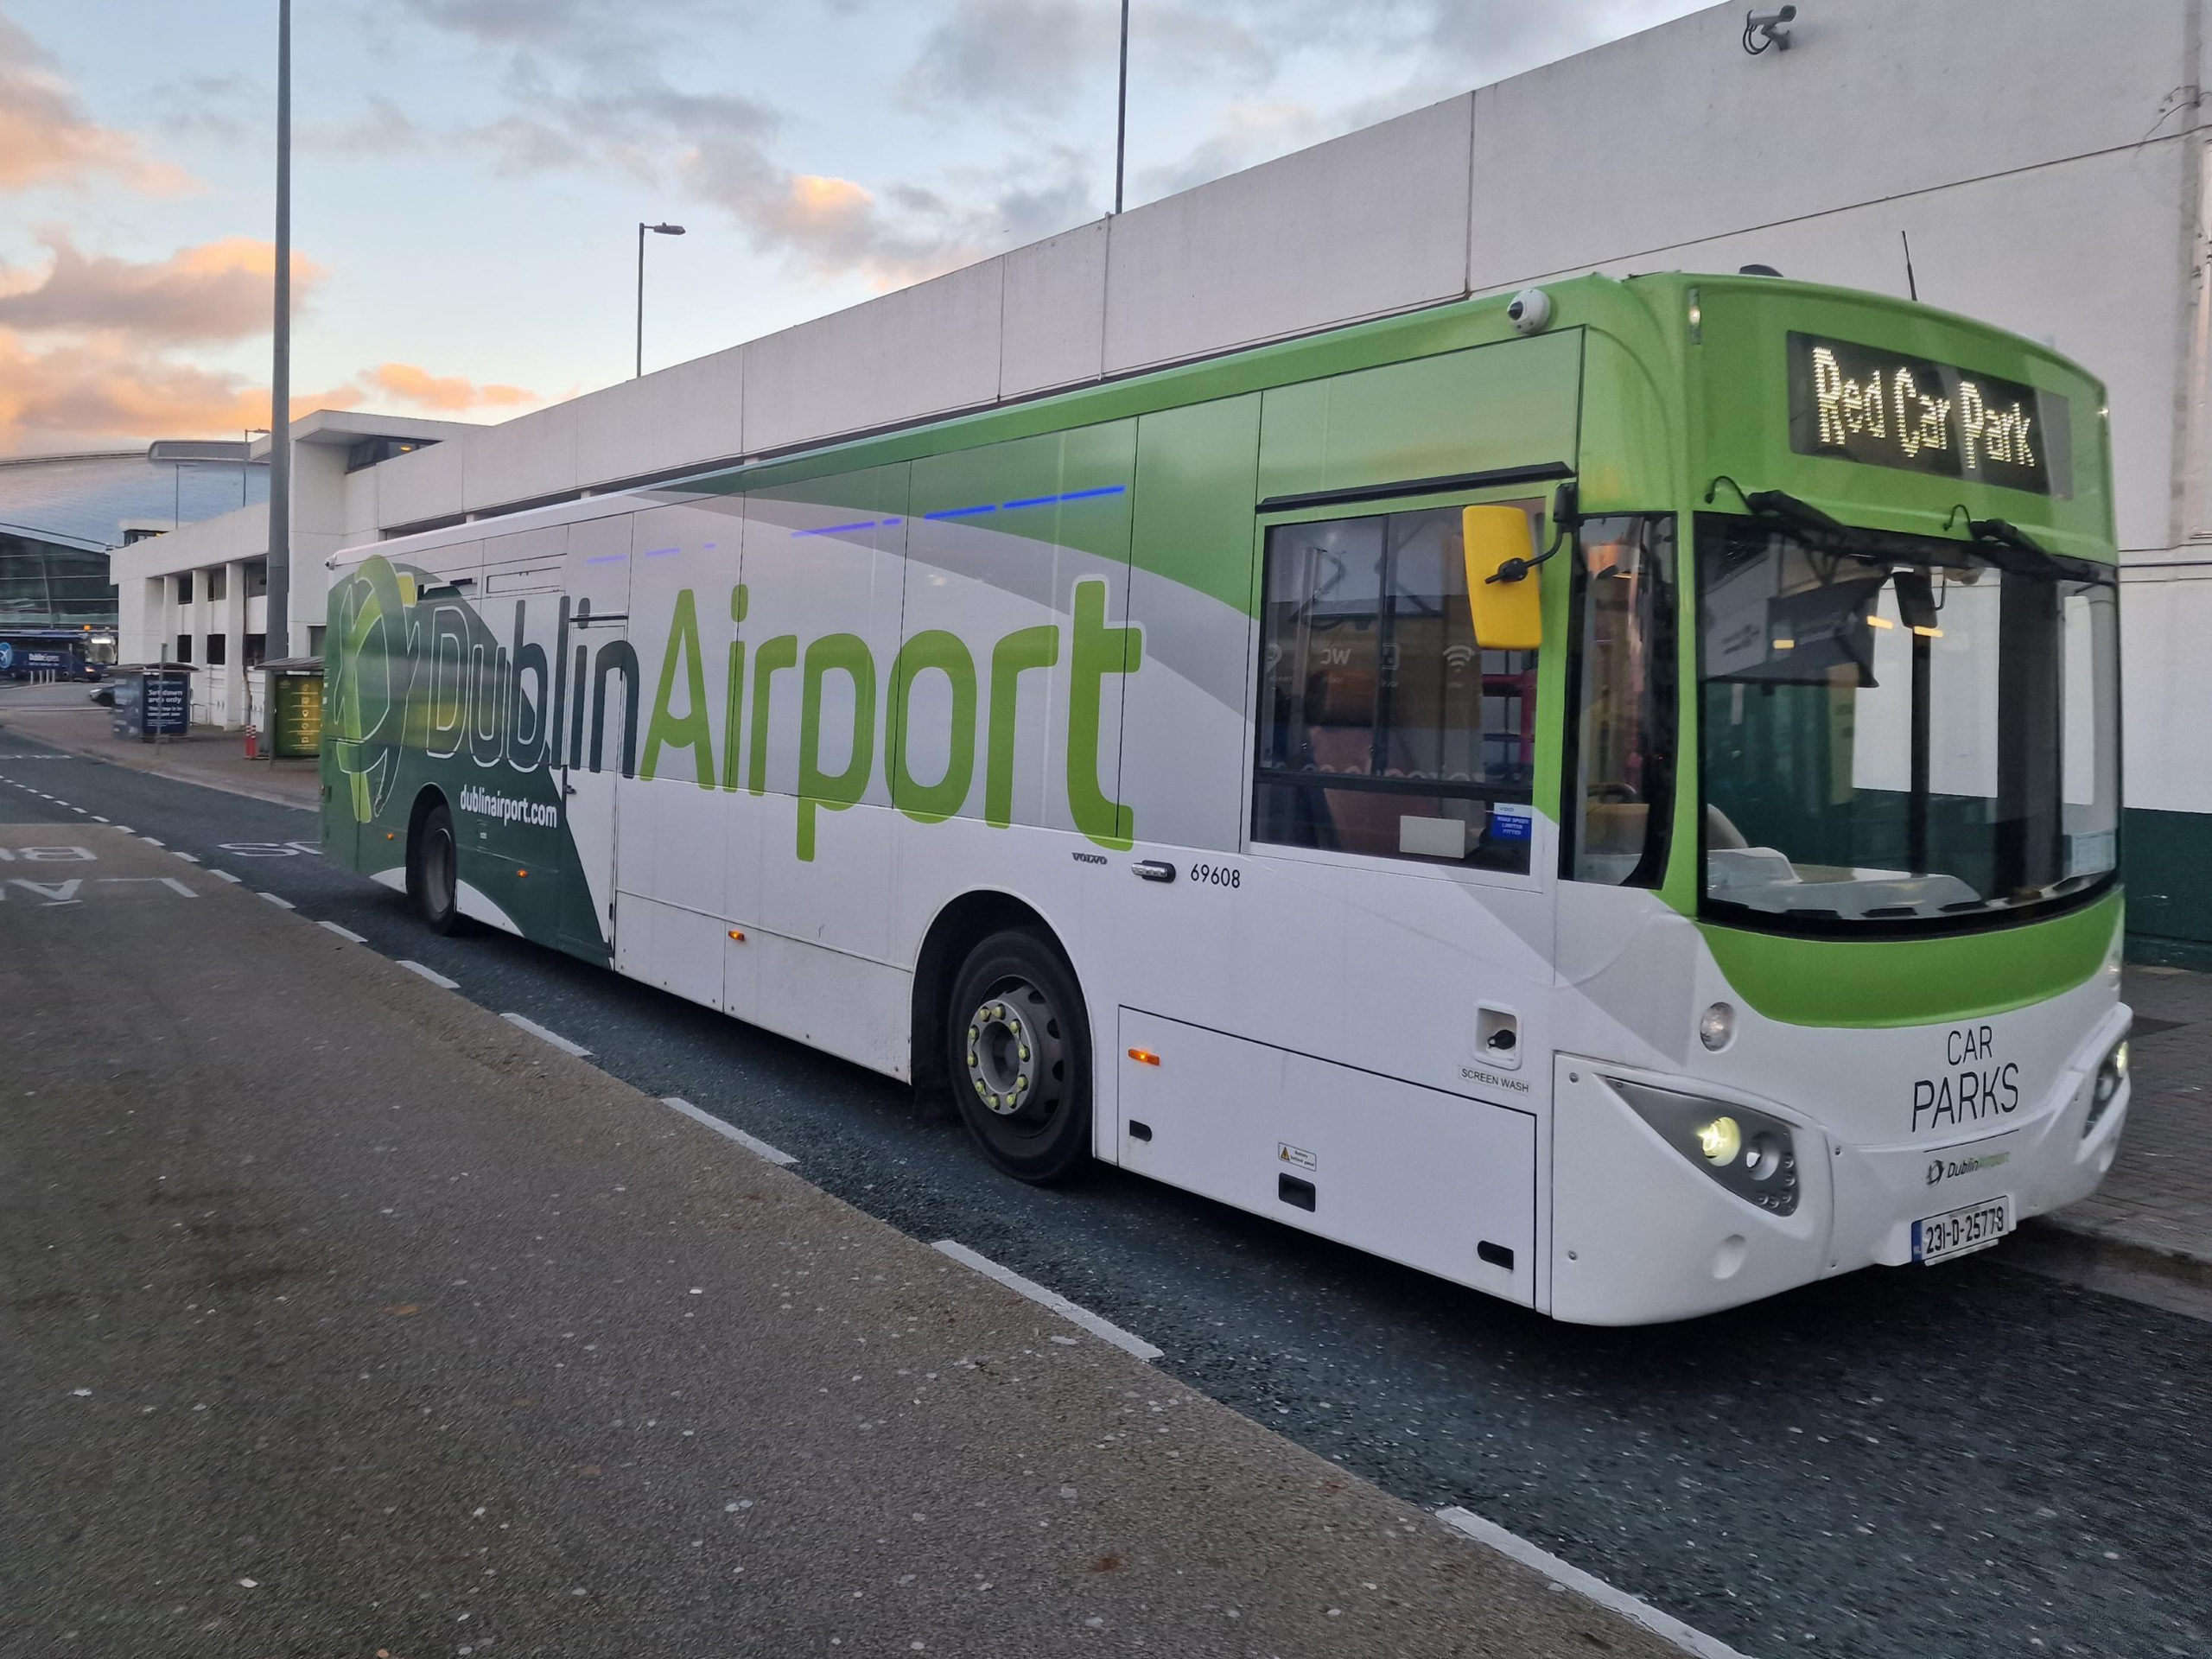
(1956, 1232)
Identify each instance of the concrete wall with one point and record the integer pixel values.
(1988, 135)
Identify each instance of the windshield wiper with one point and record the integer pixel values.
(2004, 533)
(1780, 503)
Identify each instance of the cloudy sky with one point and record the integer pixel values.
(468, 175)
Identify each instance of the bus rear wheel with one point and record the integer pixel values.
(434, 871)
(1018, 1048)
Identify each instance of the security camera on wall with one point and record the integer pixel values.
(1768, 27)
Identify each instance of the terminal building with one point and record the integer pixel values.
(2044, 171)
(62, 516)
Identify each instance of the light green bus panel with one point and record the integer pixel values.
(1158, 768)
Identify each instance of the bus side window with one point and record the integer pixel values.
(1623, 749)
(1385, 729)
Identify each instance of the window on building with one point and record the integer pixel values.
(219, 650)
(183, 649)
(184, 587)
(315, 639)
(256, 578)
(1384, 727)
(369, 452)
(257, 648)
(218, 584)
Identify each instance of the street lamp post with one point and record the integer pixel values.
(1122, 111)
(658, 229)
(279, 622)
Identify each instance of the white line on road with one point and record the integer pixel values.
(98, 819)
(1105, 1329)
(753, 1144)
(343, 932)
(80, 808)
(284, 904)
(552, 1037)
(178, 851)
(1666, 1626)
(224, 875)
(151, 841)
(432, 975)
(124, 828)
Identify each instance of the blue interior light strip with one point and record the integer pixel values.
(836, 530)
(606, 558)
(963, 512)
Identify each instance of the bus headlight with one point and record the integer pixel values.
(1751, 1154)
(2111, 1072)
(1720, 1139)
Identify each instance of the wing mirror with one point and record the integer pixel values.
(1504, 605)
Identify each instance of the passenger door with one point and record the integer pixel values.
(1382, 918)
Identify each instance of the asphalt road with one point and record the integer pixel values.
(1958, 1462)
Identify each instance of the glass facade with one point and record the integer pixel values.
(46, 585)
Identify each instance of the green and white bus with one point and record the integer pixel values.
(1609, 797)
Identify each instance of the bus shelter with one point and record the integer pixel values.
(153, 700)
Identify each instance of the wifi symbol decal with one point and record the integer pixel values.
(1458, 656)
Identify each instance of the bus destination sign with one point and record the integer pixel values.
(1857, 403)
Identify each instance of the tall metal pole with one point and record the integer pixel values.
(1121, 109)
(640, 368)
(277, 629)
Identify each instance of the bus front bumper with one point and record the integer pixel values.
(1642, 1234)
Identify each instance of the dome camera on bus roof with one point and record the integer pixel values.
(1530, 310)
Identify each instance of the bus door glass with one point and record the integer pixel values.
(601, 716)
(1620, 787)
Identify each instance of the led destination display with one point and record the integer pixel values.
(1860, 403)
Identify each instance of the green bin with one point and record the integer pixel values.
(295, 706)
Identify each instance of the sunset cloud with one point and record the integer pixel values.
(48, 139)
(218, 291)
(448, 394)
(104, 391)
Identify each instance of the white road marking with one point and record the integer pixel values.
(552, 1037)
(124, 828)
(343, 932)
(98, 819)
(224, 875)
(282, 904)
(753, 1144)
(432, 975)
(177, 852)
(80, 808)
(1105, 1329)
(151, 841)
(176, 886)
(1665, 1626)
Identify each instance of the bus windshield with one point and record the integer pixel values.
(1902, 731)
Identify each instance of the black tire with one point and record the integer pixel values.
(1018, 1048)
(434, 871)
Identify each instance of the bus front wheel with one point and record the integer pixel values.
(433, 871)
(1018, 1047)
